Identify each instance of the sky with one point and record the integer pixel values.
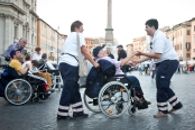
(128, 16)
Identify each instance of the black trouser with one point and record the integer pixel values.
(70, 96)
(164, 73)
(134, 83)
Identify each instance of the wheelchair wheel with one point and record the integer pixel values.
(91, 103)
(18, 92)
(114, 99)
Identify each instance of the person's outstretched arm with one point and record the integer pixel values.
(88, 56)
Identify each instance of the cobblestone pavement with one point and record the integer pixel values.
(42, 115)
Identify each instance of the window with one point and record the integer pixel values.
(194, 28)
(188, 55)
(188, 32)
(188, 46)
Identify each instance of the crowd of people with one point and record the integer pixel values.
(162, 53)
(23, 62)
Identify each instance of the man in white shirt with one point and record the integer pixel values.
(166, 59)
(69, 68)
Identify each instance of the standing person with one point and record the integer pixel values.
(121, 55)
(121, 52)
(20, 45)
(166, 60)
(69, 68)
(109, 53)
(37, 54)
(51, 56)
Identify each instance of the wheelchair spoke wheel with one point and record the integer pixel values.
(91, 103)
(114, 99)
(18, 92)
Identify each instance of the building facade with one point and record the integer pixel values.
(180, 35)
(193, 38)
(17, 19)
(139, 44)
(49, 39)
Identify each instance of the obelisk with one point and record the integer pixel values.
(109, 29)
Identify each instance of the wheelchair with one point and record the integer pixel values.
(56, 76)
(108, 93)
(114, 98)
(18, 90)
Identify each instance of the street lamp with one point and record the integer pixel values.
(58, 44)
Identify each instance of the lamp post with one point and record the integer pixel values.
(58, 44)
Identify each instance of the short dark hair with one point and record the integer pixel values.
(12, 53)
(96, 50)
(35, 63)
(27, 57)
(120, 46)
(75, 24)
(152, 22)
(37, 49)
(44, 56)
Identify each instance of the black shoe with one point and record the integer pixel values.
(176, 107)
(147, 102)
(95, 101)
(80, 115)
(62, 117)
(142, 104)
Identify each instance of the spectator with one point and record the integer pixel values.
(19, 46)
(51, 56)
(121, 55)
(27, 62)
(37, 54)
(109, 53)
(16, 64)
(43, 59)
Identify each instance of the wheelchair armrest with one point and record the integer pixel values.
(119, 76)
(55, 72)
(4, 66)
(45, 70)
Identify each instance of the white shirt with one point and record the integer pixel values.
(36, 56)
(71, 46)
(27, 63)
(161, 44)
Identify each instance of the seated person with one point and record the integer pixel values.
(100, 52)
(16, 64)
(43, 60)
(14, 70)
(45, 64)
(27, 62)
